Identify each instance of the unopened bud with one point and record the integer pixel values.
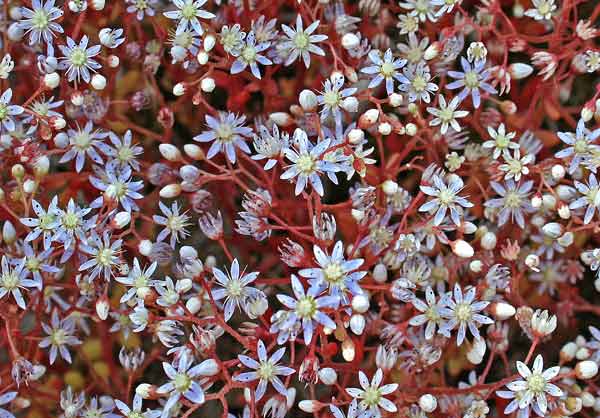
(52, 80)
(519, 70)
(328, 376)
(209, 42)
(145, 247)
(428, 403)
(586, 369)
(476, 266)
(462, 248)
(308, 100)
(179, 89)
(281, 119)
(384, 128)
(357, 324)
(356, 136)
(9, 234)
(368, 118)
(360, 303)
(395, 99)
(488, 241)
(193, 151)
(170, 152)
(567, 353)
(310, 406)
(98, 82)
(477, 351)
(390, 187)
(102, 307)
(348, 350)
(432, 51)
(350, 41)
(502, 311)
(380, 273)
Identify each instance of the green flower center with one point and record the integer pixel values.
(306, 307)
(306, 164)
(331, 98)
(32, 264)
(536, 383)
(224, 133)
(10, 281)
(105, 257)
(266, 370)
(70, 221)
(249, 54)
(46, 220)
(82, 140)
(78, 57)
(463, 312)
(581, 146)
(39, 20)
(446, 196)
(419, 83)
(117, 190)
(333, 273)
(387, 69)
(3, 111)
(58, 337)
(182, 382)
(301, 40)
(372, 396)
(234, 288)
(471, 79)
(188, 11)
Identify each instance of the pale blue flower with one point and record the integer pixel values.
(227, 133)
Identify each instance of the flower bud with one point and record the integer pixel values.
(202, 58)
(170, 191)
(477, 351)
(552, 229)
(207, 85)
(587, 114)
(348, 350)
(52, 80)
(587, 399)
(57, 123)
(350, 104)
(170, 152)
(121, 219)
(281, 119)
(476, 266)
(586, 369)
(380, 273)
(9, 234)
(310, 406)
(533, 261)
(357, 214)
(209, 42)
(308, 100)
(98, 4)
(350, 41)
(395, 99)
(193, 151)
(360, 303)
(411, 129)
(519, 70)
(542, 323)
(102, 307)
(488, 241)
(567, 352)
(328, 376)
(41, 166)
(145, 247)
(582, 353)
(390, 187)
(144, 390)
(368, 118)
(357, 324)
(462, 248)
(502, 311)
(179, 89)
(113, 61)
(432, 51)
(194, 304)
(356, 136)
(384, 128)
(558, 171)
(61, 140)
(98, 82)
(428, 403)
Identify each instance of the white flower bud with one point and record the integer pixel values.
(207, 85)
(98, 4)
(358, 215)
(29, 186)
(209, 42)
(558, 171)
(350, 104)
(348, 350)
(432, 51)
(113, 61)
(208, 368)
(189, 173)
(542, 323)
(476, 266)
(77, 98)
(586, 114)
(356, 136)
(384, 128)
(145, 247)
(308, 100)
(309, 406)
(411, 129)
(370, 117)
(518, 10)
(328, 376)
(390, 187)
(122, 219)
(469, 227)
(15, 32)
(477, 351)
(548, 201)
(357, 324)
(586, 369)
(360, 303)
(380, 273)
(567, 353)
(179, 89)
(102, 308)
(502, 311)
(193, 304)
(144, 390)
(202, 57)
(462, 248)
(350, 41)
(587, 399)
(519, 70)
(395, 99)
(98, 82)
(52, 80)
(428, 403)
(552, 229)
(281, 119)
(564, 212)
(582, 353)
(9, 234)
(536, 201)
(58, 123)
(170, 191)
(193, 151)
(170, 152)
(41, 166)
(533, 261)
(488, 241)
(61, 140)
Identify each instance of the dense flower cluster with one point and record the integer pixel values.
(348, 209)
